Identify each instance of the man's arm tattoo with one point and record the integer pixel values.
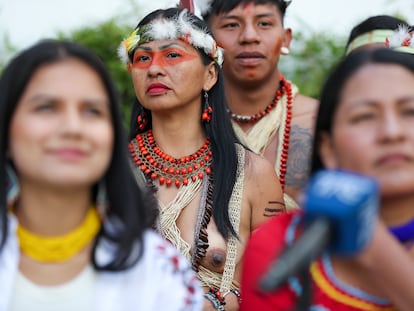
(299, 156)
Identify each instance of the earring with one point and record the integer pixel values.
(207, 111)
(102, 203)
(12, 185)
(284, 50)
(142, 120)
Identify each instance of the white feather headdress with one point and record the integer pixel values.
(180, 28)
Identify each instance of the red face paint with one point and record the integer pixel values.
(278, 45)
(248, 8)
(144, 59)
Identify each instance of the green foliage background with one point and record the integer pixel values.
(311, 59)
(104, 39)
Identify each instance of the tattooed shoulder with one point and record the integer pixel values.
(299, 154)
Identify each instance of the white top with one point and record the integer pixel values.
(77, 294)
(161, 280)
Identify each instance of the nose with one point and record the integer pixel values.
(249, 34)
(71, 122)
(392, 127)
(156, 67)
(155, 70)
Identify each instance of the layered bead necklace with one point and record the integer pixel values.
(157, 165)
(285, 89)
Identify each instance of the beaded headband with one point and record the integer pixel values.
(180, 28)
(401, 40)
(372, 37)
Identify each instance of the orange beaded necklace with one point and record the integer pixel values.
(156, 164)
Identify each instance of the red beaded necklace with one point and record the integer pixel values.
(285, 88)
(168, 170)
(286, 135)
(256, 117)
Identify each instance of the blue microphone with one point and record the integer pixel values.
(339, 213)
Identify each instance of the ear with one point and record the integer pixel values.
(327, 151)
(210, 76)
(287, 38)
(128, 67)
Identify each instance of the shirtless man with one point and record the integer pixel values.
(280, 127)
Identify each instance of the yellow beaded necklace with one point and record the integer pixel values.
(59, 248)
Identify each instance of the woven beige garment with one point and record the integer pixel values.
(169, 214)
(260, 135)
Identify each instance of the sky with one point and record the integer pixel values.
(26, 21)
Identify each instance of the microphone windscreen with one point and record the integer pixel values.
(349, 201)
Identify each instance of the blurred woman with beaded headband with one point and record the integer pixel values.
(74, 226)
(364, 125)
(373, 31)
(212, 192)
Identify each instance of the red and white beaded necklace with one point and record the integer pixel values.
(285, 89)
(241, 119)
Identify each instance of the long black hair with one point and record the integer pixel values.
(332, 90)
(219, 130)
(133, 209)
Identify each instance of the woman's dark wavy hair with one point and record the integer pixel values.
(132, 208)
(386, 22)
(225, 6)
(219, 130)
(332, 90)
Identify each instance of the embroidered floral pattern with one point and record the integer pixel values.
(179, 266)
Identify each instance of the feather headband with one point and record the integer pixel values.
(376, 36)
(180, 28)
(401, 40)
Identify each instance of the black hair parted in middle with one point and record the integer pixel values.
(219, 130)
